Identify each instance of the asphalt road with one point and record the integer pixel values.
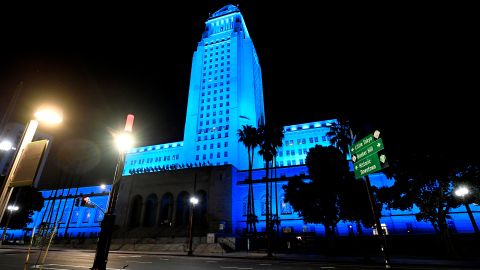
(14, 259)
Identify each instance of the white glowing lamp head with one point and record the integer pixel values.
(193, 200)
(461, 191)
(5, 145)
(124, 141)
(13, 208)
(49, 115)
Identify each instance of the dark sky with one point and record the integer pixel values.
(409, 70)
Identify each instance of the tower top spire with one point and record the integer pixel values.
(225, 10)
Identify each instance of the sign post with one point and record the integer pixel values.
(368, 157)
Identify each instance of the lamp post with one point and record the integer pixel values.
(193, 202)
(124, 142)
(462, 192)
(10, 208)
(45, 114)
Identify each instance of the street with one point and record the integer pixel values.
(14, 259)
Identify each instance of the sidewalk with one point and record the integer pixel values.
(300, 257)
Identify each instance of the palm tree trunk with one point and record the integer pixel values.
(267, 210)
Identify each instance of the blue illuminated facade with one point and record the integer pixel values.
(225, 93)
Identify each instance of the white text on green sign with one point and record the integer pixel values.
(370, 149)
(370, 164)
(365, 142)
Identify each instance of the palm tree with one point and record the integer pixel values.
(340, 135)
(248, 135)
(271, 140)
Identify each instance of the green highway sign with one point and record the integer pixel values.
(371, 148)
(365, 142)
(370, 164)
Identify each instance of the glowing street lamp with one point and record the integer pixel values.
(10, 208)
(193, 202)
(6, 145)
(462, 191)
(123, 141)
(44, 115)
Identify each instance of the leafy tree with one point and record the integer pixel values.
(318, 200)
(249, 136)
(426, 181)
(28, 199)
(340, 135)
(355, 203)
(271, 139)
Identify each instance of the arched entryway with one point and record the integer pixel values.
(166, 209)
(151, 206)
(182, 213)
(135, 211)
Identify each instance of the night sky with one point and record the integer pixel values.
(406, 70)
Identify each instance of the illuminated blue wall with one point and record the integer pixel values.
(225, 93)
(81, 221)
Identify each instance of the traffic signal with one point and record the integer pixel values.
(85, 201)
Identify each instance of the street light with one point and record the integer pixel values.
(124, 141)
(193, 202)
(462, 191)
(10, 208)
(44, 115)
(6, 145)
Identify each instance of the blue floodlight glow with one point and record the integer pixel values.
(218, 106)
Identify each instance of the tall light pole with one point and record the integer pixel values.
(462, 192)
(48, 115)
(10, 208)
(193, 202)
(124, 142)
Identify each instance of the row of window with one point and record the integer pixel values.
(216, 60)
(215, 71)
(216, 47)
(157, 159)
(214, 106)
(212, 129)
(291, 162)
(215, 98)
(204, 156)
(214, 85)
(212, 136)
(214, 113)
(304, 140)
(214, 121)
(303, 151)
(216, 52)
(215, 91)
(225, 144)
(222, 64)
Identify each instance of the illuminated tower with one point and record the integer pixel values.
(225, 92)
